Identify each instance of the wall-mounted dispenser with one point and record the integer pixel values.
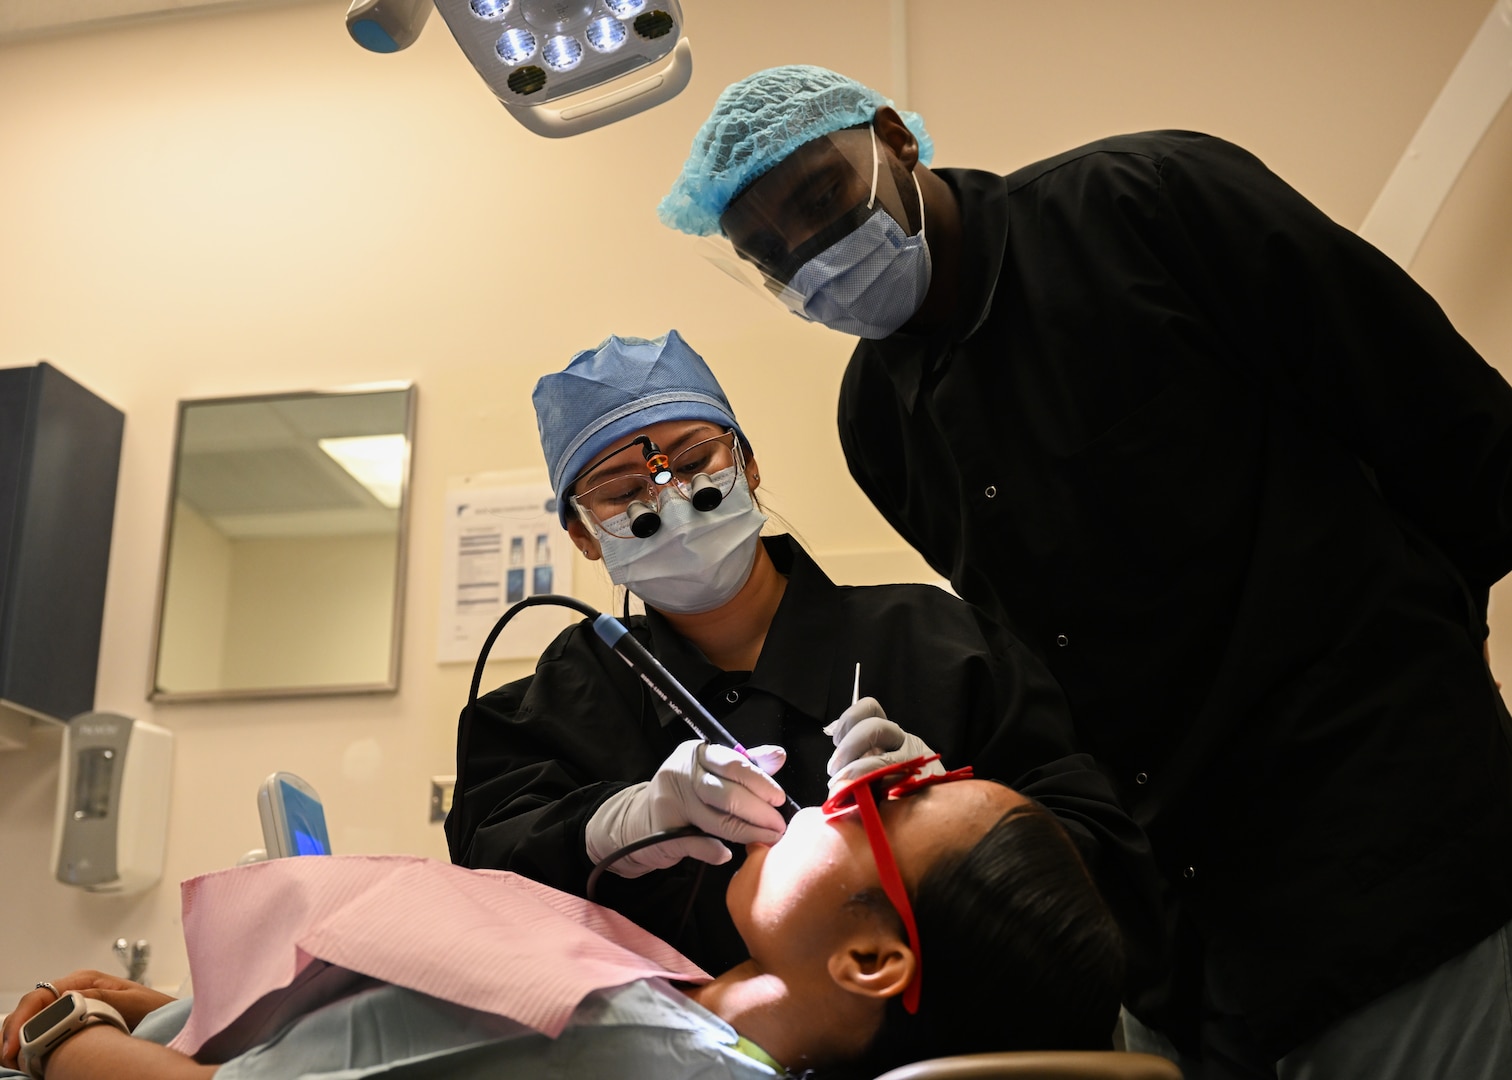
(113, 789)
(60, 451)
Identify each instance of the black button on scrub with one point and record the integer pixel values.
(732, 696)
(1062, 640)
(991, 491)
(1141, 778)
(1189, 873)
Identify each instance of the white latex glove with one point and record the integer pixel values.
(865, 740)
(701, 784)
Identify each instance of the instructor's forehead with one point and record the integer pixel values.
(767, 194)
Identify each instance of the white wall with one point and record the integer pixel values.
(248, 202)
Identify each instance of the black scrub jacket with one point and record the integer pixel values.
(544, 752)
(1242, 486)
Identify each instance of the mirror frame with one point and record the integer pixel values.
(401, 555)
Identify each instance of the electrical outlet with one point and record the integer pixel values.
(441, 796)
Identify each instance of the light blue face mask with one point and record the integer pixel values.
(696, 561)
(869, 282)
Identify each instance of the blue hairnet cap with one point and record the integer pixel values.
(756, 123)
(607, 394)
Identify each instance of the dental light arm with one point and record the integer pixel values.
(386, 26)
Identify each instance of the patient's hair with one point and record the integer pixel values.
(1019, 951)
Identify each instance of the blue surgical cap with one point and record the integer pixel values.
(607, 394)
(756, 123)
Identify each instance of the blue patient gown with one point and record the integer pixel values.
(642, 1029)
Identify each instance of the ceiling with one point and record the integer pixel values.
(254, 467)
(33, 18)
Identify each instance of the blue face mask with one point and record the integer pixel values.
(869, 282)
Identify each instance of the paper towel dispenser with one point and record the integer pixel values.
(113, 796)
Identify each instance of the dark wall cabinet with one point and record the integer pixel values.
(60, 452)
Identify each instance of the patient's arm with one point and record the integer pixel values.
(132, 1000)
(100, 1052)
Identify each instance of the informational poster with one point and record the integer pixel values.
(503, 543)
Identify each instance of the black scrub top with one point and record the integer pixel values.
(542, 753)
(1239, 482)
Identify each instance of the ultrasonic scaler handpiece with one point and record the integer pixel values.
(661, 682)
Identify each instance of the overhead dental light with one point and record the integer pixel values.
(560, 67)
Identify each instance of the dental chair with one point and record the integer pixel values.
(1041, 1065)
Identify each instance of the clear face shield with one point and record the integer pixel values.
(831, 216)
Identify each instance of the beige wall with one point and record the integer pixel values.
(270, 612)
(310, 610)
(196, 598)
(248, 202)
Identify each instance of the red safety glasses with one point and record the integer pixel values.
(894, 782)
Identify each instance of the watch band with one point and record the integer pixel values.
(87, 1012)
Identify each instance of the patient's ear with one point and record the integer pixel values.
(875, 964)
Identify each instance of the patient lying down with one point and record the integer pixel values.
(458, 973)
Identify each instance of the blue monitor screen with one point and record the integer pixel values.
(306, 818)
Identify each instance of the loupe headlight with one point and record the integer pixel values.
(656, 462)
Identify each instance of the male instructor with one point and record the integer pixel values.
(1245, 489)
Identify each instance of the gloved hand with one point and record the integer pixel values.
(701, 784)
(865, 740)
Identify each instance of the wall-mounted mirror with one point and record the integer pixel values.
(284, 558)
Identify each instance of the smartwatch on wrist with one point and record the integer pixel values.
(70, 1014)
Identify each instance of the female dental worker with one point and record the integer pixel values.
(655, 477)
